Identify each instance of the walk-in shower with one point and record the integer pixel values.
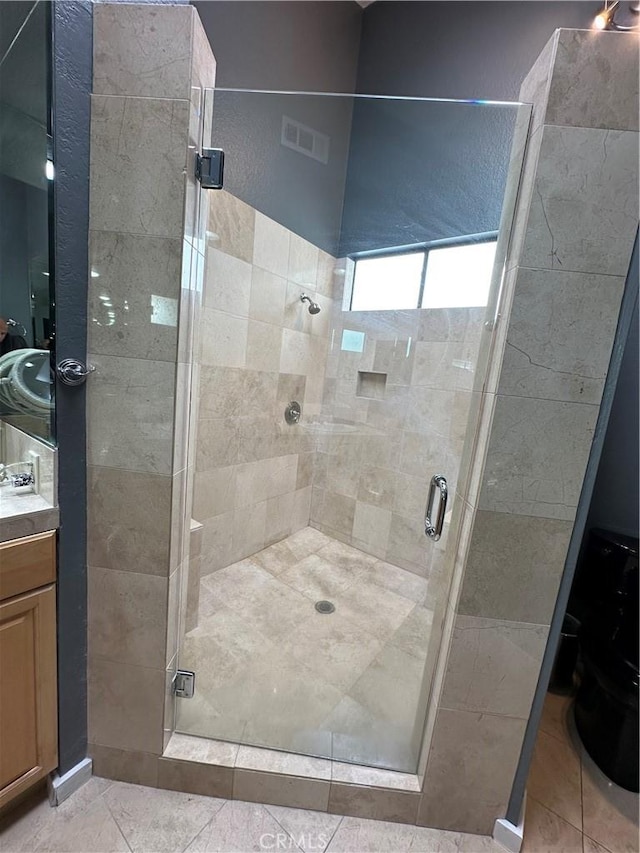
(353, 265)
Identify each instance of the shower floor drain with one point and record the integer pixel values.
(325, 607)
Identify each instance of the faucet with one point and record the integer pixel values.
(26, 478)
(21, 478)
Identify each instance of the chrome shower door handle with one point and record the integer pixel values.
(439, 484)
(73, 372)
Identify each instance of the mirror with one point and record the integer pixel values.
(26, 177)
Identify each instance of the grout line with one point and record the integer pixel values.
(595, 841)
(126, 840)
(564, 736)
(333, 834)
(265, 806)
(552, 735)
(166, 476)
(162, 669)
(563, 270)
(139, 97)
(241, 743)
(555, 813)
(139, 234)
(200, 831)
(111, 782)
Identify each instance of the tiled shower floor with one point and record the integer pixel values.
(272, 671)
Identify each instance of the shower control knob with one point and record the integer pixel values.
(293, 413)
(73, 372)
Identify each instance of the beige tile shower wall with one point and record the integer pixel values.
(378, 447)
(573, 236)
(146, 119)
(260, 349)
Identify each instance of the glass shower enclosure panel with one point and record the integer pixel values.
(353, 263)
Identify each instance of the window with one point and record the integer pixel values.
(387, 282)
(458, 276)
(442, 276)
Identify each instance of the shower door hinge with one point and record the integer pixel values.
(184, 684)
(210, 168)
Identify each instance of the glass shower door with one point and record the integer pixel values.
(350, 270)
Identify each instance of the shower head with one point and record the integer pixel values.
(314, 308)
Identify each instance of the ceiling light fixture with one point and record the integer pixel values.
(605, 19)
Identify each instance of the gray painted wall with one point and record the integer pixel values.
(306, 46)
(290, 46)
(72, 72)
(422, 171)
(449, 181)
(458, 50)
(615, 499)
(301, 193)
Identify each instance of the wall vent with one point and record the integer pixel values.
(305, 140)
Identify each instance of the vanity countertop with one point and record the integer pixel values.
(25, 514)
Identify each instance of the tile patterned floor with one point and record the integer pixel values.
(571, 806)
(272, 671)
(115, 817)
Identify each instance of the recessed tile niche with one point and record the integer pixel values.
(371, 385)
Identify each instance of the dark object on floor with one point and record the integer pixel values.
(566, 657)
(606, 707)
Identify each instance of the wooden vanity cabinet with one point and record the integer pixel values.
(28, 671)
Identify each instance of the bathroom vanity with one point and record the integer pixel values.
(28, 689)
(28, 663)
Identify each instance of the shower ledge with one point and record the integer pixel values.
(219, 753)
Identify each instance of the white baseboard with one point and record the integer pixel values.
(508, 835)
(61, 787)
